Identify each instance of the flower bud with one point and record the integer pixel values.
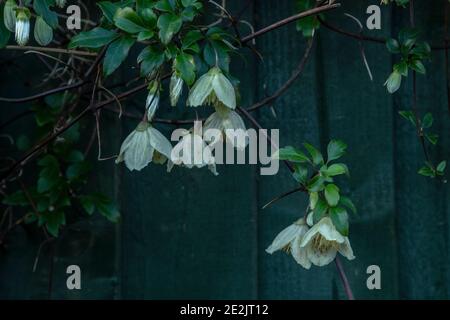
(22, 26)
(176, 89)
(152, 102)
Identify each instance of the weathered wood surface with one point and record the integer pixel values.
(189, 234)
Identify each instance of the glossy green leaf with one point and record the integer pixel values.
(116, 53)
(95, 38)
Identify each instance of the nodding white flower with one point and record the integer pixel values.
(231, 126)
(394, 82)
(61, 3)
(152, 102)
(323, 241)
(289, 240)
(144, 145)
(212, 88)
(192, 151)
(176, 89)
(9, 15)
(22, 26)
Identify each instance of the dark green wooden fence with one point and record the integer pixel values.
(189, 234)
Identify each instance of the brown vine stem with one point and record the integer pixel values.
(52, 50)
(290, 19)
(297, 72)
(363, 37)
(340, 268)
(50, 138)
(414, 93)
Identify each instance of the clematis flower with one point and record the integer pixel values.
(230, 124)
(22, 26)
(176, 89)
(289, 240)
(323, 241)
(191, 152)
(394, 82)
(212, 88)
(144, 145)
(152, 102)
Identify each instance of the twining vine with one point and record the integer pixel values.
(177, 54)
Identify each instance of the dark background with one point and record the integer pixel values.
(189, 234)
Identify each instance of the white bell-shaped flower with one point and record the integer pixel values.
(231, 126)
(144, 145)
(323, 241)
(212, 88)
(191, 151)
(289, 240)
(22, 26)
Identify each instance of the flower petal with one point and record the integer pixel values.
(318, 258)
(201, 90)
(139, 153)
(346, 249)
(284, 238)
(158, 141)
(326, 228)
(300, 255)
(224, 90)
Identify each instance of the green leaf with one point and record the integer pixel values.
(75, 156)
(17, 198)
(427, 171)
(145, 35)
(191, 38)
(48, 179)
(432, 138)
(108, 9)
(150, 59)
(164, 6)
(184, 65)
(4, 32)
(316, 156)
(339, 217)
(48, 161)
(408, 115)
(315, 184)
(320, 210)
(77, 170)
(88, 204)
(95, 38)
(441, 167)
(300, 173)
(116, 53)
(402, 68)
(72, 134)
(313, 199)
(336, 149)
(348, 203)
(291, 154)
(337, 169)
(427, 121)
(393, 46)
(129, 21)
(43, 33)
(168, 24)
(332, 195)
(418, 66)
(41, 7)
(54, 221)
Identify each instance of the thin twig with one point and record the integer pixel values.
(290, 19)
(53, 50)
